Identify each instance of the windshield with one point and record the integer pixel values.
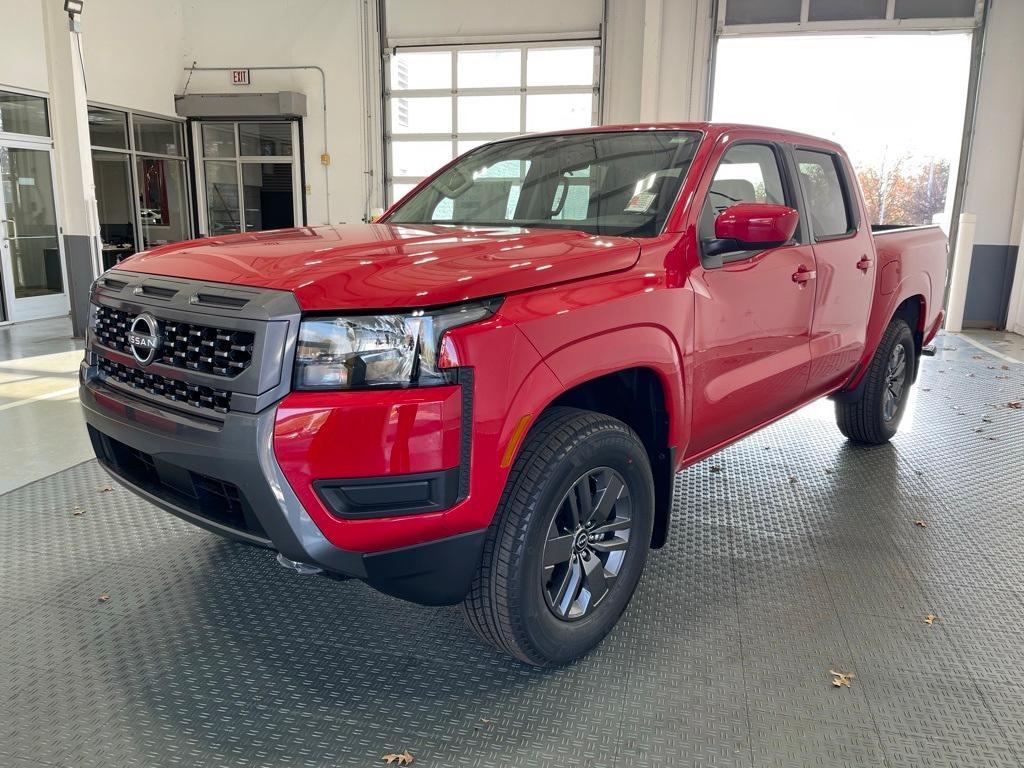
(621, 183)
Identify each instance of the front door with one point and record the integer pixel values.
(31, 252)
(752, 318)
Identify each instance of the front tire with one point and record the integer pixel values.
(875, 417)
(569, 540)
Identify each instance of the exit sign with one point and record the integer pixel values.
(240, 77)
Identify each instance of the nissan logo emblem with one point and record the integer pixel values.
(144, 338)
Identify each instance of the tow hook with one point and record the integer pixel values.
(303, 569)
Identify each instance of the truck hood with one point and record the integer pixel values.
(380, 266)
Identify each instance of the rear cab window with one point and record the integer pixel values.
(826, 193)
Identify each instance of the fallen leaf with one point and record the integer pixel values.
(839, 679)
(399, 759)
(104, 598)
(930, 619)
(793, 480)
(716, 468)
(926, 389)
(986, 419)
(921, 523)
(919, 472)
(1015, 404)
(77, 512)
(105, 489)
(1005, 367)
(828, 470)
(977, 357)
(1002, 377)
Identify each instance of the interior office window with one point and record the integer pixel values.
(157, 136)
(22, 113)
(108, 128)
(443, 103)
(823, 191)
(112, 174)
(142, 194)
(163, 200)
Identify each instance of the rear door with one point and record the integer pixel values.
(753, 313)
(844, 255)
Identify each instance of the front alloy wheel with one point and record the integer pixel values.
(586, 543)
(569, 540)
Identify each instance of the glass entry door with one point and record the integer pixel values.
(249, 176)
(31, 251)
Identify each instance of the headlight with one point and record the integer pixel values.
(378, 350)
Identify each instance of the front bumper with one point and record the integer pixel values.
(226, 478)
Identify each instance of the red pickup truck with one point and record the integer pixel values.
(484, 397)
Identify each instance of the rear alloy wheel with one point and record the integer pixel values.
(569, 539)
(875, 417)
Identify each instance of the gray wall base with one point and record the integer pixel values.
(78, 250)
(988, 286)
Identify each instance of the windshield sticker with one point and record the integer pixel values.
(641, 202)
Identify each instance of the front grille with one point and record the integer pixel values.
(220, 351)
(172, 389)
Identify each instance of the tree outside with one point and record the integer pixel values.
(905, 190)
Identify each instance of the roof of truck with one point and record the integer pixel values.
(713, 129)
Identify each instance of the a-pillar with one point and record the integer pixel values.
(69, 127)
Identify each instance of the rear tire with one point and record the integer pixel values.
(559, 567)
(875, 417)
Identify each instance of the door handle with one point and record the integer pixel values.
(803, 274)
(864, 263)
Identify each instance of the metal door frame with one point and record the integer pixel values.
(199, 160)
(33, 307)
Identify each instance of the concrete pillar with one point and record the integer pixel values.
(69, 127)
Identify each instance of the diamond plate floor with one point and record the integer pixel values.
(791, 554)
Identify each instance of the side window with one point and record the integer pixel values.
(747, 173)
(824, 193)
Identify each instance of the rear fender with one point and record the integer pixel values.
(882, 312)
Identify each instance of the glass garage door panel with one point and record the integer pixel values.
(30, 223)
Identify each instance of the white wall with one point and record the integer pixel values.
(133, 53)
(22, 57)
(656, 66)
(999, 129)
(994, 190)
(326, 33)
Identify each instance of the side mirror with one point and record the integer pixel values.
(752, 227)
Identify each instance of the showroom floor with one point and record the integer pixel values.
(793, 556)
